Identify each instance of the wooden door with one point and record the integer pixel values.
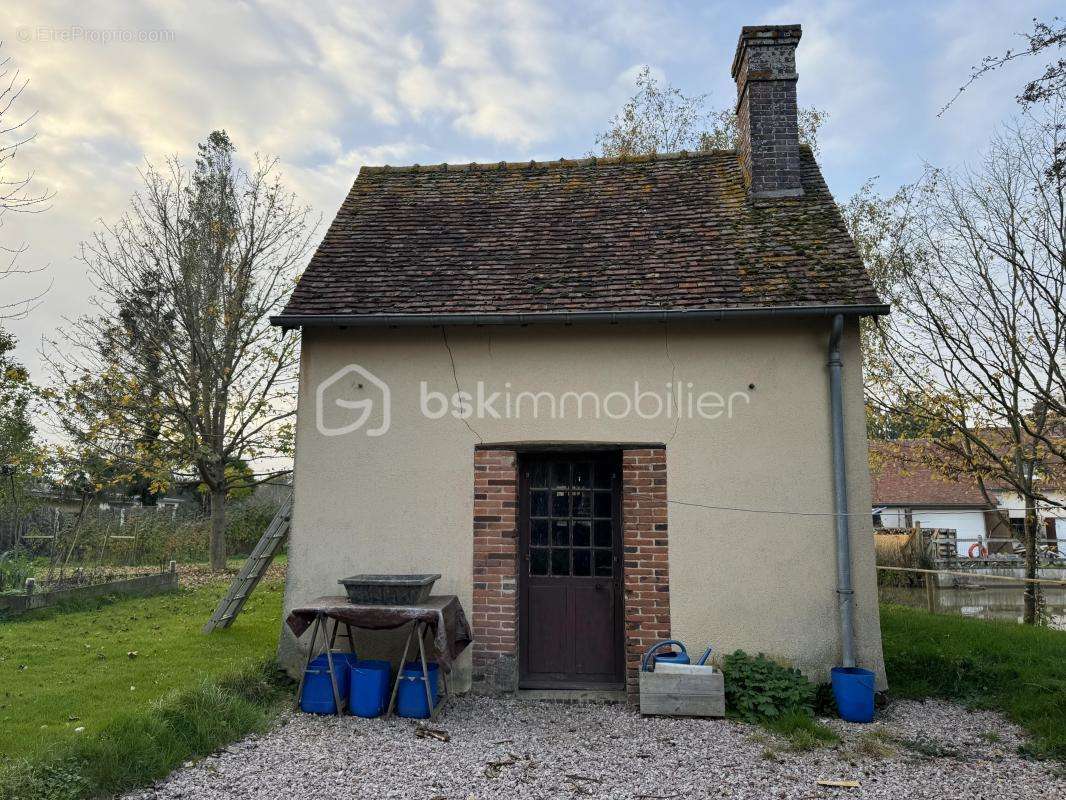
(570, 572)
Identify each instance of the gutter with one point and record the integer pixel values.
(289, 321)
(845, 593)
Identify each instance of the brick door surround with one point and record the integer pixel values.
(495, 596)
(646, 566)
(646, 579)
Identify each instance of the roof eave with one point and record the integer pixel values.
(922, 504)
(288, 321)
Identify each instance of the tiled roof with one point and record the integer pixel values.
(900, 480)
(659, 233)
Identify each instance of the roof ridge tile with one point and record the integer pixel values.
(589, 160)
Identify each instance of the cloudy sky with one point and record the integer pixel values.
(328, 87)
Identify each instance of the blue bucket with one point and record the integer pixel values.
(370, 688)
(411, 697)
(853, 689)
(343, 663)
(317, 694)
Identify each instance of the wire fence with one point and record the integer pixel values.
(67, 546)
(979, 593)
(969, 575)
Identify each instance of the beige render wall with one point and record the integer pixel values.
(402, 502)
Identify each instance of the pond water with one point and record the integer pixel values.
(995, 603)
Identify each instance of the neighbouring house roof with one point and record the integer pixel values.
(493, 242)
(899, 481)
(1050, 475)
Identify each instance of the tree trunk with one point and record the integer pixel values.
(218, 529)
(1032, 590)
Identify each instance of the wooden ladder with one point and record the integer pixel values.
(253, 569)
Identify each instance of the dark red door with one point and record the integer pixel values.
(570, 586)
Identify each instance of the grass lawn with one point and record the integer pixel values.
(66, 669)
(1016, 669)
(185, 694)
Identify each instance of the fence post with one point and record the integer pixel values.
(930, 594)
(928, 547)
(31, 583)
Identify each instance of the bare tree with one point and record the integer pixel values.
(180, 366)
(1050, 85)
(1047, 88)
(977, 338)
(878, 227)
(17, 194)
(662, 119)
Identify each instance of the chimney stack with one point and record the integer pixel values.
(764, 69)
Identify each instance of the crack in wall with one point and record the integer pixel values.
(455, 377)
(674, 394)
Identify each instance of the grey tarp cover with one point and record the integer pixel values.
(443, 613)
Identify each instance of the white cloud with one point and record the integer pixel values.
(422, 90)
(841, 73)
(329, 87)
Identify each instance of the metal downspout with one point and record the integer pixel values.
(845, 594)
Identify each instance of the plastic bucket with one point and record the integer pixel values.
(411, 696)
(317, 694)
(853, 689)
(370, 688)
(343, 663)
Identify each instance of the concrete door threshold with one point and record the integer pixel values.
(573, 695)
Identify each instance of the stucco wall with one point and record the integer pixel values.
(402, 501)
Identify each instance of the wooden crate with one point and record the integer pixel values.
(682, 690)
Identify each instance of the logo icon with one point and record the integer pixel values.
(365, 406)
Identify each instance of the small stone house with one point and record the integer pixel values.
(583, 390)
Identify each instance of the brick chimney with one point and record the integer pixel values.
(767, 116)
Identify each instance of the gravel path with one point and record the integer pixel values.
(519, 749)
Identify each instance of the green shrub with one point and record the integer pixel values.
(759, 689)
(245, 523)
(14, 570)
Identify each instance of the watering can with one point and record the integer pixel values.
(653, 657)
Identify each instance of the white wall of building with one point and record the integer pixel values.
(1014, 506)
(894, 517)
(969, 525)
